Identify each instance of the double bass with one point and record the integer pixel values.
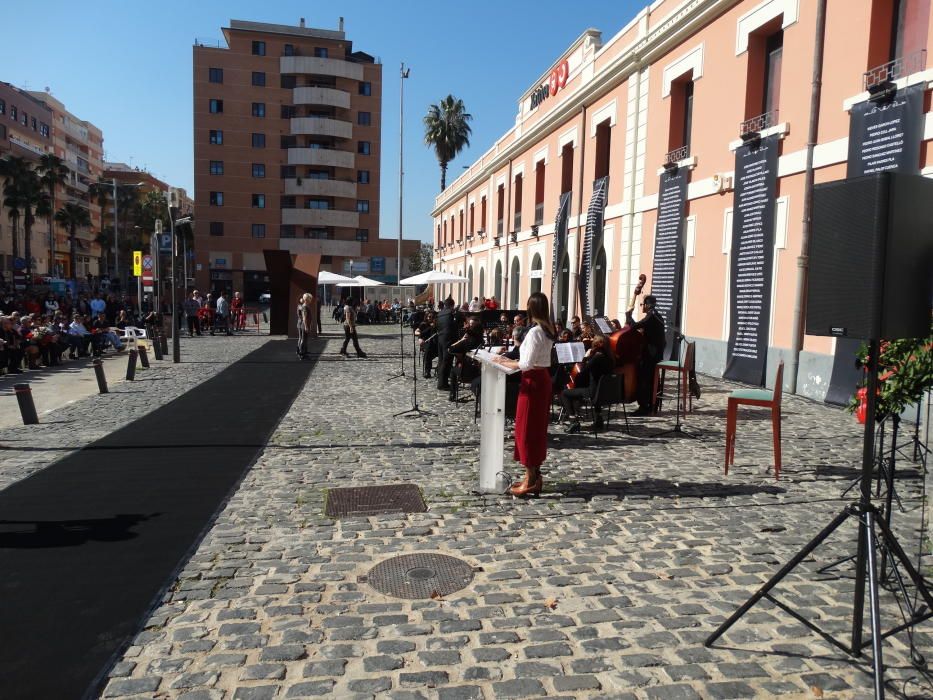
(626, 346)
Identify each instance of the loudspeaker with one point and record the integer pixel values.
(870, 257)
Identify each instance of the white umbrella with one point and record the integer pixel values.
(435, 277)
(360, 281)
(325, 277)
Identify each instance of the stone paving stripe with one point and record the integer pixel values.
(88, 545)
(374, 500)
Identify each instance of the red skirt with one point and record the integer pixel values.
(532, 416)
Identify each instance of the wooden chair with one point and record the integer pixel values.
(685, 368)
(765, 399)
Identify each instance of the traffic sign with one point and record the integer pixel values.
(147, 263)
(137, 263)
(165, 243)
(19, 263)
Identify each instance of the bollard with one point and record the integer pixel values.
(26, 406)
(143, 356)
(131, 365)
(101, 377)
(163, 341)
(157, 346)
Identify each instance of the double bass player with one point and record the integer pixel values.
(652, 326)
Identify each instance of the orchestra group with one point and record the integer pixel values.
(527, 340)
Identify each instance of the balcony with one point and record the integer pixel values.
(321, 156)
(324, 188)
(321, 96)
(310, 65)
(518, 221)
(539, 213)
(321, 217)
(322, 126)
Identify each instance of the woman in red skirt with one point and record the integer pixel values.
(534, 395)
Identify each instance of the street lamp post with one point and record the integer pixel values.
(403, 74)
(176, 317)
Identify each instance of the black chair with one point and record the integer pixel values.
(611, 390)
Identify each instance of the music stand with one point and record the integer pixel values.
(678, 429)
(865, 559)
(415, 410)
(401, 352)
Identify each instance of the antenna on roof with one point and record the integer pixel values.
(301, 22)
(341, 24)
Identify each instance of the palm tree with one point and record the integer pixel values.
(12, 170)
(446, 129)
(52, 172)
(73, 216)
(35, 202)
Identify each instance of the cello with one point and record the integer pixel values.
(626, 346)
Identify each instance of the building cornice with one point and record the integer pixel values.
(682, 23)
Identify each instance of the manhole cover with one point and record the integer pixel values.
(372, 500)
(420, 575)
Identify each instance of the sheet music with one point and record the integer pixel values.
(488, 358)
(602, 323)
(568, 353)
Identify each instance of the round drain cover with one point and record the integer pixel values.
(420, 575)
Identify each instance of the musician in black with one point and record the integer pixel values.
(465, 369)
(652, 325)
(447, 323)
(596, 363)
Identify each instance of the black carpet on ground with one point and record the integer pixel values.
(89, 543)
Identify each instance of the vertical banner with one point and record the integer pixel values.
(883, 135)
(594, 231)
(557, 253)
(667, 268)
(752, 260)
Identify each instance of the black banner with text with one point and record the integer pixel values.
(592, 234)
(557, 252)
(752, 260)
(883, 135)
(668, 264)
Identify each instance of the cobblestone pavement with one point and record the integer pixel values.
(606, 586)
(25, 449)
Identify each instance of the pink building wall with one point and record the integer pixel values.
(626, 80)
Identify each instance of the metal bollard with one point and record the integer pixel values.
(157, 346)
(131, 365)
(163, 341)
(143, 355)
(101, 377)
(26, 406)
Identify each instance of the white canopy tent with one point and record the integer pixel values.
(360, 281)
(434, 277)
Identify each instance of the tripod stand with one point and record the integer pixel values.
(678, 428)
(866, 566)
(415, 411)
(401, 352)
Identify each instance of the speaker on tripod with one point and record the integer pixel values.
(870, 278)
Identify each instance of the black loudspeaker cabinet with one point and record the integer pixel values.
(870, 257)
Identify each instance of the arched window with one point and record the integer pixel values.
(497, 285)
(514, 279)
(536, 266)
(482, 285)
(599, 283)
(470, 283)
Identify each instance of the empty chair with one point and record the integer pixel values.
(685, 368)
(763, 398)
(609, 391)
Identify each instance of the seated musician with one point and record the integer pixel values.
(426, 333)
(575, 329)
(519, 328)
(465, 369)
(586, 332)
(652, 325)
(560, 374)
(615, 325)
(596, 363)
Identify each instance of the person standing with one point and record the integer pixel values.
(534, 395)
(446, 331)
(192, 307)
(223, 314)
(652, 325)
(349, 328)
(237, 313)
(304, 325)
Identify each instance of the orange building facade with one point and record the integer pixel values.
(678, 85)
(287, 146)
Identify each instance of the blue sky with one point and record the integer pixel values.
(126, 66)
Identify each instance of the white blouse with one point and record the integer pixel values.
(535, 350)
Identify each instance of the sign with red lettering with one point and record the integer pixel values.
(556, 81)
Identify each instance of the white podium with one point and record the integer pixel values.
(492, 421)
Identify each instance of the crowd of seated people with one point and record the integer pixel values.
(45, 329)
(372, 312)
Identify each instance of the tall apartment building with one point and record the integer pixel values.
(81, 145)
(287, 145)
(25, 132)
